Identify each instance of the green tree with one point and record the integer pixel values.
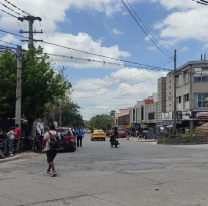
(40, 85)
(100, 122)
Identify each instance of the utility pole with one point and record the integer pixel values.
(18, 106)
(175, 107)
(31, 33)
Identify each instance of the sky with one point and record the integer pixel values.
(104, 27)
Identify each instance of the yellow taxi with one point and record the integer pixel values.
(98, 135)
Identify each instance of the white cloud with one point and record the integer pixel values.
(10, 38)
(116, 31)
(184, 49)
(82, 42)
(121, 95)
(188, 22)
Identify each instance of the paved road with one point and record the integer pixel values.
(98, 175)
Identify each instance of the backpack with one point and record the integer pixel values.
(54, 141)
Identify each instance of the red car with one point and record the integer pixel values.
(69, 140)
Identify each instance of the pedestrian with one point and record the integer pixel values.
(51, 142)
(11, 137)
(17, 138)
(80, 135)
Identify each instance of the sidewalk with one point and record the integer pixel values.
(25, 155)
(135, 139)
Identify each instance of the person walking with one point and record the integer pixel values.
(80, 135)
(17, 132)
(11, 137)
(51, 141)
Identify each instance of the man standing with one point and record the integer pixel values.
(17, 133)
(80, 134)
(51, 141)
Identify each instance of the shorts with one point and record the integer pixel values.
(51, 154)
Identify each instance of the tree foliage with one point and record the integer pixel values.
(41, 85)
(103, 122)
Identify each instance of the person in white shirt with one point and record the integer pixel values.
(11, 136)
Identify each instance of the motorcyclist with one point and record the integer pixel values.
(114, 135)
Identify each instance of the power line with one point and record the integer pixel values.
(10, 9)
(103, 62)
(17, 8)
(69, 48)
(124, 88)
(8, 43)
(9, 14)
(203, 2)
(116, 81)
(147, 33)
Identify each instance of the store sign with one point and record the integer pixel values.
(128, 127)
(167, 116)
(199, 115)
(186, 115)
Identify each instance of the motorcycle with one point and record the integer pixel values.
(114, 141)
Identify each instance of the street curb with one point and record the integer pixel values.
(10, 159)
(136, 140)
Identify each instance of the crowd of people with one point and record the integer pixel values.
(13, 139)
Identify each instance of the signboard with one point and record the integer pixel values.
(128, 127)
(186, 115)
(199, 115)
(167, 116)
(121, 128)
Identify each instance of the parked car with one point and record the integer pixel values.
(68, 139)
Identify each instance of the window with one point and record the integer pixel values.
(170, 81)
(178, 100)
(169, 93)
(151, 116)
(186, 77)
(201, 100)
(200, 74)
(178, 80)
(169, 105)
(186, 97)
(169, 87)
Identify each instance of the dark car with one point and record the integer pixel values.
(68, 139)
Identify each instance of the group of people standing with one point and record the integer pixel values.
(13, 137)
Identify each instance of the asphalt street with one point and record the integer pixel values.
(136, 173)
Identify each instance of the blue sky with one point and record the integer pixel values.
(104, 27)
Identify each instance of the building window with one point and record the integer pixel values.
(178, 80)
(201, 100)
(200, 74)
(186, 77)
(170, 81)
(169, 93)
(178, 100)
(186, 97)
(169, 87)
(151, 116)
(169, 105)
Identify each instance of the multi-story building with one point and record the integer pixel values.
(191, 90)
(123, 117)
(161, 95)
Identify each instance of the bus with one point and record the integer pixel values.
(122, 132)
